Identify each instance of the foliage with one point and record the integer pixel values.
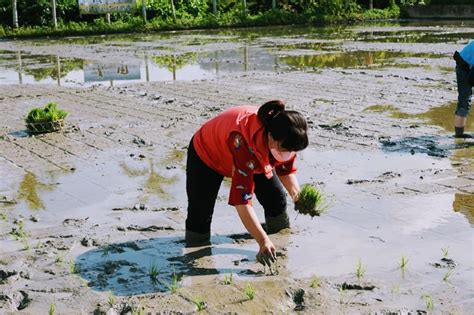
(47, 114)
(35, 15)
(250, 291)
(200, 303)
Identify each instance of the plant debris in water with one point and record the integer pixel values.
(310, 201)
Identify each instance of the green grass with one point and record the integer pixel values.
(250, 291)
(200, 303)
(360, 270)
(51, 309)
(310, 201)
(49, 113)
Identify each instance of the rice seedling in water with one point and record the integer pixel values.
(200, 303)
(311, 201)
(111, 300)
(58, 259)
(445, 251)
(360, 270)
(73, 267)
(153, 272)
(250, 291)
(428, 302)
(49, 113)
(51, 309)
(342, 294)
(403, 263)
(315, 282)
(228, 280)
(447, 275)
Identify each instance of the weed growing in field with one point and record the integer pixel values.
(250, 291)
(360, 270)
(200, 303)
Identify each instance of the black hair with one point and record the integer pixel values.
(288, 127)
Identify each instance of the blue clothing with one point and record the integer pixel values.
(467, 53)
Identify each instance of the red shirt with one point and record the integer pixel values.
(235, 144)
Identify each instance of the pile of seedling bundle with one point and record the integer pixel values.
(47, 119)
(311, 201)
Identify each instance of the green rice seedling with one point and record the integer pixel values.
(47, 114)
(26, 244)
(311, 201)
(360, 270)
(58, 259)
(403, 263)
(200, 303)
(153, 272)
(19, 232)
(174, 283)
(106, 250)
(51, 309)
(447, 275)
(111, 300)
(342, 294)
(73, 267)
(250, 291)
(445, 251)
(428, 302)
(315, 282)
(228, 280)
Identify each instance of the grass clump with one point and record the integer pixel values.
(49, 113)
(310, 201)
(153, 272)
(174, 283)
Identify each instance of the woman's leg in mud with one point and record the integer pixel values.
(202, 186)
(464, 101)
(271, 195)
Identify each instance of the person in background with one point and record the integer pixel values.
(465, 81)
(256, 147)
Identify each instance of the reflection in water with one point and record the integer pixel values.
(154, 183)
(464, 203)
(350, 59)
(442, 116)
(28, 191)
(124, 268)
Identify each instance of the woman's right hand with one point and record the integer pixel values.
(267, 253)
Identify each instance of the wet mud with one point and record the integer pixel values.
(92, 218)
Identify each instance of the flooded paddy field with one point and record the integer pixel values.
(92, 218)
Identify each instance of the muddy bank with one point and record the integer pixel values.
(86, 215)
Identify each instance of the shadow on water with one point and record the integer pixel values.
(124, 268)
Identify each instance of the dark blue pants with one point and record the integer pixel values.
(202, 187)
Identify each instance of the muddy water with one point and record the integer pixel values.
(109, 195)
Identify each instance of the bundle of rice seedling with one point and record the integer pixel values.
(310, 201)
(46, 119)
